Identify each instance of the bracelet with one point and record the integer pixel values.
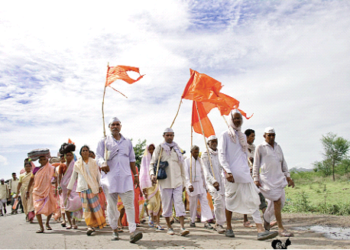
(59, 188)
(136, 175)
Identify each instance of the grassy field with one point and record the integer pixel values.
(318, 194)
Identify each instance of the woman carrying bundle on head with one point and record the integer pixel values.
(87, 176)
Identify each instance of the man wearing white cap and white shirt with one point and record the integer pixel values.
(272, 179)
(241, 195)
(215, 185)
(196, 189)
(116, 177)
(172, 187)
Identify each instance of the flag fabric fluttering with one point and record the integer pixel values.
(120, 72)
(206, 123)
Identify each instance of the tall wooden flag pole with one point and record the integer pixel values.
(103, 113)
(176, 113)
(191, 153)
(205, 142)
(225, 121)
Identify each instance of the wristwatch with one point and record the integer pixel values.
(136, 175)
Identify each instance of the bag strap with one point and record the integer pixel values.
(160, 154)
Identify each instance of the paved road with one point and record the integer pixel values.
(16, 233)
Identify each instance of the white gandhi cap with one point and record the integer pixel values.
(270, 130)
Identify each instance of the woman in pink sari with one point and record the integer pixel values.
(43, 197)
(72, 203)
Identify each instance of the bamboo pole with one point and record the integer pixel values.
(191, 153)
(205, 142)
(103, 113)
(225, 121)
(176, 113)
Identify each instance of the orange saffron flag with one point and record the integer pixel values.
(203, 111)
(120, 72)
(201, 87)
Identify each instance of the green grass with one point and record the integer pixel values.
(315, 193)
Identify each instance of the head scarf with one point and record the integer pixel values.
(212, 137)
(231, 131)
(145, 179)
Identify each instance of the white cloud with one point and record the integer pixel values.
(285, 61)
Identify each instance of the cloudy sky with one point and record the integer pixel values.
(285, 61)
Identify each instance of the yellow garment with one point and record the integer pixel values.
(28, 205)
(154, 202)
(89, 178)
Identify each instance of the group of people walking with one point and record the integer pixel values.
(236, 176)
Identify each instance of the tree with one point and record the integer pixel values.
(139, 149)
(324, 167)
(335, 149)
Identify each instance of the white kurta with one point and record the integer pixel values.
(208, 175)
(272, 177)
(175, 170)
(197, 181)
(200, 192)
(242, 196)
(274, 169)
(218, 196)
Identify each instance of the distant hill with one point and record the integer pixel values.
(301, 169)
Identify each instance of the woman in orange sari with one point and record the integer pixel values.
(43, 197)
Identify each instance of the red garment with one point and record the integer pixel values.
(137, 192)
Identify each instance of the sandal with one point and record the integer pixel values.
(48, 227)
(247, 224)
(40, 231)
(151, 224)
(208, 226)
(63, 224)
(75, 227)
(120, 229)
(89, 231)
(70, 227)
(285, 233)
(159, 228)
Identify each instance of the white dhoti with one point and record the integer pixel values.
(172, 196)
(219, 207)
(112, 208)
(206, 213)
(271, 196)
(243, 198)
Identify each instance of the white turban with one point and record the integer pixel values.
(212, 137)
(168, 130)
(270, 130)
(113, 119)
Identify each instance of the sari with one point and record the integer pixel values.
(93, 211)
(43, 198)
(73, 202)
(153, 194)
(28, 206)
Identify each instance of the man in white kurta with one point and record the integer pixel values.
(272, 179)
(116, 177)
(172, 187)
(196, 189)
(215, 184)
(242, 196)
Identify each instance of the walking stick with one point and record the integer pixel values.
(205, 142)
